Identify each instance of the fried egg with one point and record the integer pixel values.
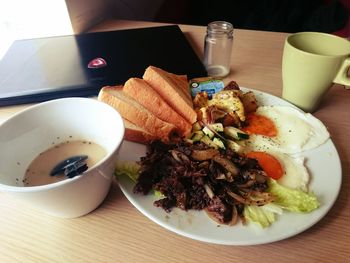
(296, 175)
(285, 129)
(289, 171)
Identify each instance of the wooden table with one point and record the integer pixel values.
(118, 232)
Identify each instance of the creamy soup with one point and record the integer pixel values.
(38, 172)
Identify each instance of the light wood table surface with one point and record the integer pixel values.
(118, 232)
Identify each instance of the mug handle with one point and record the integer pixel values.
(342, 77)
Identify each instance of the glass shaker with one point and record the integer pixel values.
(217, 48)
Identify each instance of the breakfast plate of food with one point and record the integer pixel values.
(250, 169)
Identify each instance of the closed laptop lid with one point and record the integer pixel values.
(35, 70)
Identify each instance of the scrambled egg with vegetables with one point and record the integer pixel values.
(228, 101)
(233, 104)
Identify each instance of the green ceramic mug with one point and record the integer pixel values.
(311, 63)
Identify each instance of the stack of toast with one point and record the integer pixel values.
(158, 106)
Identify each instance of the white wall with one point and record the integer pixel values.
(86, 13)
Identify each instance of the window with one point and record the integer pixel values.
(21, 19)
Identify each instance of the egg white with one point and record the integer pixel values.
(296, 131)
(296, 175)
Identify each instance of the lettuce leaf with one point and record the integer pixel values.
(286, 199)
(292, 199)
(127, 168)
(131, 169)
(262, 215)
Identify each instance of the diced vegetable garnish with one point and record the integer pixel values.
(235, 133)
(233, 146)
(208, 132)
(197, 136)
(217, 127)
(209, 142)
(219, 143)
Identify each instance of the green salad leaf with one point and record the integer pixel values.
(263, 215)
(286, 199)
(292, 199)
(127, 168)
(131, 169)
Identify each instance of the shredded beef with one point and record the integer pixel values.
(188, 183)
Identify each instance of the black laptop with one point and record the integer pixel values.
(41, 69)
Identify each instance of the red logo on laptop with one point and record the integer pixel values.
(97, 63)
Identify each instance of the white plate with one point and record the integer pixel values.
(323, 164)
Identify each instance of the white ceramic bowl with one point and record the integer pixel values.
(33, 130)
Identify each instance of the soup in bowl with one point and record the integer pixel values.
(59, 156)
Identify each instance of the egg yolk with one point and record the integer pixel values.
(271, 166)
(258, 124)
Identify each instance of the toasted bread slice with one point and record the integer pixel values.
(134, 112)
(137, 134)
(182, 82)
(162, 82)
(142, 92)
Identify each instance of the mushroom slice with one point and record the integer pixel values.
(227, 164)
(202, 155)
